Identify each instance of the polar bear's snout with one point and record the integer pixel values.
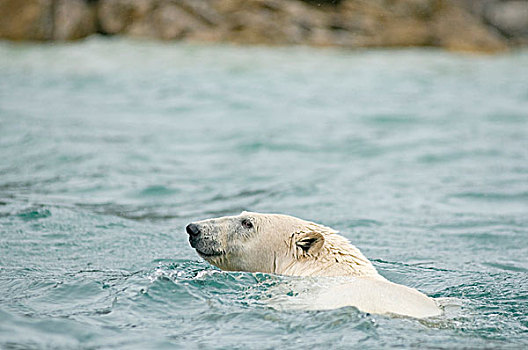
(193, 230)
(194, 234)
(203, 238)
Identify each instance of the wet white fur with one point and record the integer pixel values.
(287, 245)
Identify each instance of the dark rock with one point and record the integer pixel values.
(508, 17)
(120, 16)
(346, 23)
(73, 19)
(323, 2)
(26, 20)
(46, 19)
(148, 18)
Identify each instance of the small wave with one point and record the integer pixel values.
(493, 196)
(157, 190)
(34, 214)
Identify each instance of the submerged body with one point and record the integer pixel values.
(282, 244)
(376, 296)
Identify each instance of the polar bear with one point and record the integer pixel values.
(286, 245)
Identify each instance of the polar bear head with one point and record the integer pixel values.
(273, 243)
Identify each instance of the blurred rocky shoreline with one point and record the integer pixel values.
(461, 25)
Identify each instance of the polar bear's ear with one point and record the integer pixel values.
(310, 242)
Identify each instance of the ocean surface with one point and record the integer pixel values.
(108, 148)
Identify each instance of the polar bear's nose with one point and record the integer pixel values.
(193, 230)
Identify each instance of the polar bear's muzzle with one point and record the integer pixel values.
(202, 241)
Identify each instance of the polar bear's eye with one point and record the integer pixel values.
(247, 223)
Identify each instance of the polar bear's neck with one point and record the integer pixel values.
(338, 257)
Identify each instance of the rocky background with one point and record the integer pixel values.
(465, 25)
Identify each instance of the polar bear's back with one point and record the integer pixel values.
(377, 296)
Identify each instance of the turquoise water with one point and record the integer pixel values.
(109, 148)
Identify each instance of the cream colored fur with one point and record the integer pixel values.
(286, 245)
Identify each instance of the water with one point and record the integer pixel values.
(109, 147)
